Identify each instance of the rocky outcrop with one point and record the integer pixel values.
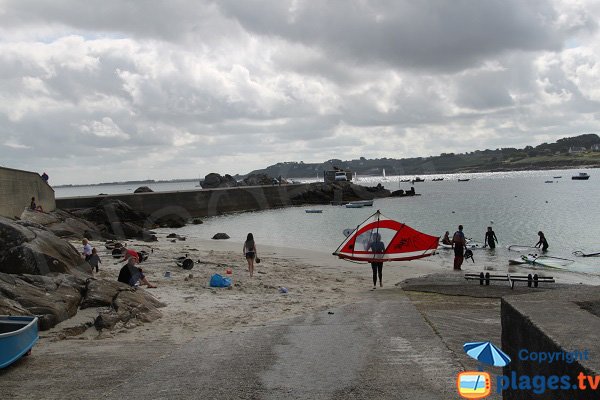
(143, 189)
(324, 193)
(116, 219)
(29, 248)
(220, 236)
(214, 180)
(261, 179)
(58, 297)
(171, 221)
(53, 299)
(63, 224)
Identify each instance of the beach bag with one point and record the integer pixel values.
(257, 260)
(218, 281)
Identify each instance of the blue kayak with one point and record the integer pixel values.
(17, 336)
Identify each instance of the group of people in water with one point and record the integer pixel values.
(459, 243)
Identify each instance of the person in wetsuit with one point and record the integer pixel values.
(377, 247)
(542, 242)
(459, 244)
(490, 237)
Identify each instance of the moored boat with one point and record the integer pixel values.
(582, 176)
(17, 336)
(365, 203)
(418, 179)
(464, 180)
(313, 211)
(354, 205)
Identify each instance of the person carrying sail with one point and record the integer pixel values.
(490, 236)
(459, 244)
(542, 242)
(377, 247)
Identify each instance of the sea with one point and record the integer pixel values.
(515, 204)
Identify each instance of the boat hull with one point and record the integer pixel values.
(17, 336)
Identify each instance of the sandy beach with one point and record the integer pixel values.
(315, 281)
(198, 315)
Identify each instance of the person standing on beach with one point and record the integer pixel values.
(250, 252)
(490, 236)
(377, 247)
(459, 244)
(87, 250)
(542, 242)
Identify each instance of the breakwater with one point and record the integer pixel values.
(199, 203)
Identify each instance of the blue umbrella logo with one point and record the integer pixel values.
(487, 353)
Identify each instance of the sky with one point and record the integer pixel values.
(113, 90)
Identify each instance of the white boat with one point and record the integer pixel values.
(313, 211)
(582, 176)
(354, 205)
(548, 181)
(543, 261)
(365, 203)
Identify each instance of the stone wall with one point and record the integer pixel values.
(18, 187)
(554, 321)
(198, 203)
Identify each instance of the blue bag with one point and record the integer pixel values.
(218, 281)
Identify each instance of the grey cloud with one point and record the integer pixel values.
(435, 35)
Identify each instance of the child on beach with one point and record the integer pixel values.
(35, 207)
(87, 250)
(94, 260)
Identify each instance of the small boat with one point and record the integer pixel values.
(404, 180)
(365, 203)
(548, 181)
(557, 177)
(17, 336)
(418, 179)
(582, 176)
(313, 211)
(354, 205)
(464, 180)
(437, 179)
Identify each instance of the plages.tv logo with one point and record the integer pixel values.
(474, 384)
(478, 384)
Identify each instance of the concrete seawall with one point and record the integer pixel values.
(18, 187)
(558, 321)
(198, 203)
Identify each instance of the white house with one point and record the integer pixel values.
(595, 147)
(576, 150)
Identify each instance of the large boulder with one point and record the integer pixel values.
(220, 236)
(260, 180)
(102, 293)
(27, 248)
(214, 180)
(143, 189)
(65, 225)
(52, 299)
(116, 219)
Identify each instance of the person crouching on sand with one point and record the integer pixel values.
(250, 252)
(132, 275)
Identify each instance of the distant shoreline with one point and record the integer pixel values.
(469, 171)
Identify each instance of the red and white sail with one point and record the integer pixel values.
(401, 242)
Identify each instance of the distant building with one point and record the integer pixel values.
(337, 174)
(576, 150)
(595, 147)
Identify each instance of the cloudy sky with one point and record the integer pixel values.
(95, 91)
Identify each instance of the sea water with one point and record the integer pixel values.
(515, 204)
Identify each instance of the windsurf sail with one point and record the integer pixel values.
(379, 239)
